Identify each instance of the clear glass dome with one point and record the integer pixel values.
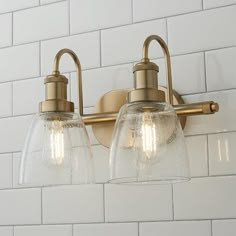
(148, 145)
(56, 151)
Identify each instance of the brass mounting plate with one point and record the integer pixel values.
(112, 102)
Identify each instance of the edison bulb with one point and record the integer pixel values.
(57, 144)
(148, 136)
(146, 141)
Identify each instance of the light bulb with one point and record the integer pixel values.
(148, 135)
(57, 142)
(147, 141)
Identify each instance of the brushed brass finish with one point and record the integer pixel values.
(56, 87)
(78, 71)
(199, 108)
(165, 50)
(56, 95)
(189, 109)
(138, 95)
(146, 84)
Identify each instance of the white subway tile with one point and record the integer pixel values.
(26, 96)
(181, 228)
(220, 69)
(5, 171)
(6, 231)
(50, 21)
(45, 230)
(21, 206)
(86, 46)
(197, 152)
(224, 227)
(202, 31)
(151, 9)
(101, 163)
(100, 81)
(73, 204)
(13, 132)
(188, 73)
(6, 29)
(6, 99)
(138, 203)
(222, 152)
(127, 229)
(205, 198)
(218, 122)
(217, 3)
(124, 44)
(13, 5)
(24, 62)
(93, 15)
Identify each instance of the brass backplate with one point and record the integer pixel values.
(112, 102)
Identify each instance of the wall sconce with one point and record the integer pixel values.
(147, 144)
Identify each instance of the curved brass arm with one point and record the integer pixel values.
(167, 61)
(78, 70)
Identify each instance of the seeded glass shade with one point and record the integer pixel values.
(148, 145)
(56, 152)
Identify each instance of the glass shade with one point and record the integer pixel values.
(148, 145)
(56, 151)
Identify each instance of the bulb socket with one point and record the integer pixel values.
(56, 95)
(146, 83)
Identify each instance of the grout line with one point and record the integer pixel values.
(12, 100)
(12, 169)
(12, 29)
(72, 229)
(138, 228)
(211, 228)
(124, 222)
(100, 44)
(205, 71)
(208, 156)
(211, 133)
(13, 230)
(69, 4)
(40, 59)
(202, 4)
(32, 7)
(132, 11)
(104, 212)
(41, 205)
(172, 196)
(167, 35)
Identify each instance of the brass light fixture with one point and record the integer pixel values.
(147, 144)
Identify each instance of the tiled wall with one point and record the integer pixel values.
(107, 35)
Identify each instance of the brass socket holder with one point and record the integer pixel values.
(146, 83)
(56, 95)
